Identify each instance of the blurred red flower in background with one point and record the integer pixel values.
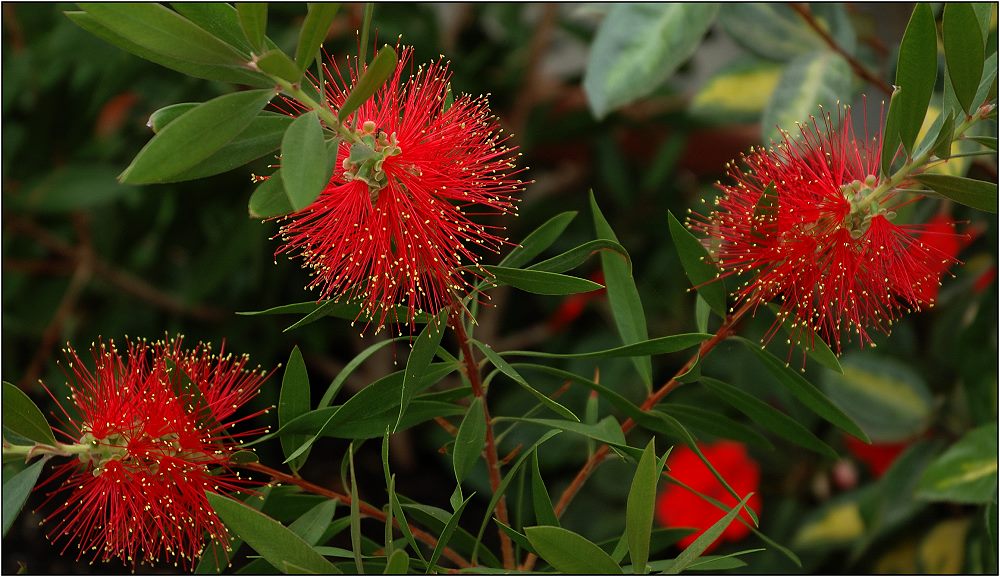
(678, 507)
(878, 456)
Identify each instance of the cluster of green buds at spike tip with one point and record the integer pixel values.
(367, 156)
(863, 205)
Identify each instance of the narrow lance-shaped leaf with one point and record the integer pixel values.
(657, 346)
(623, 295)
(542, 504)
(304, 163)
(978, 194)
(639, 507)
(313, 32)
(540, 282)
(15, 492)
(540, 239)
(916, 71)
(194, 136)
(569, 552)
(470, 440)
(269, 199)
(371, 80)
(963, 51)
(511, 372)
(423, 351)
(275, 543)
(293, 401)
(698, 266)
(253, 22)
(22, 417)
(448, 531)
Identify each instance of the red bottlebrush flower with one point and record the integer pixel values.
(678, 507)
(149, 446)
(878, 456)
(395, 224)
(811, 222)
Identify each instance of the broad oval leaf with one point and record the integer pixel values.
(568, 552)
(164, 116)
(371, 80)
(194, 136)
(639, 507)
(698, 267)
(738, 92)
(776, 32)
(16, 491)
(263, 136)
(978, 194)
(313, 32)
(623, 295)
(966, 472)
(269, 199)
(293, 401)
(963, 51)
(305, 166)
(540, 282)
(22, 417)
(821, 78)
(887, 398)
(804, 391)
(470, 440)
(277, 544)
(638, 46)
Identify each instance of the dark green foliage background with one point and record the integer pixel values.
(85, 257)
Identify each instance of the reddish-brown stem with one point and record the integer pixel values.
(365, 508)
(858, 68)
(492, 462)
(651, 401)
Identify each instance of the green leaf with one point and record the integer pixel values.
(314, 522)
(470, 440)
(217, 18)
(890, 133)
(511, 372)
(698, 267)
(263, 136)
(277, 544)
(398, 563)
(345, 372)
(194, 136)
(657, 346)
(987, 141)
(163, 31)
(253, 22)
(966, 472)
(355, 511)
(224, 73)
(887, 398)
(423, 351)
(978, 194)
(515, 536)
(942, 144)
(314, 29)
(640, 506)
(574, 257)
(695, 549)
(767, 416)
(277, 63)
(76, 186)
(17, 489)
(305, 167)
(776, 32)
(820, 78)
(916, 71)
(713, 423)
(371, 80)
(293, 401)
(539, 282)
(737, 93)
(447, 532)
(607, 431)
(164, 116)
(804, 391)
(22, 417)
(638, 46)
(269, 199)
(623, 295)
(568, 552)
(540, 501)
(808, 341)
(540, 239)
(963, 51)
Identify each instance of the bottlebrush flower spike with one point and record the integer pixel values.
(395, 224)
(149, 446)
(811, 224)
